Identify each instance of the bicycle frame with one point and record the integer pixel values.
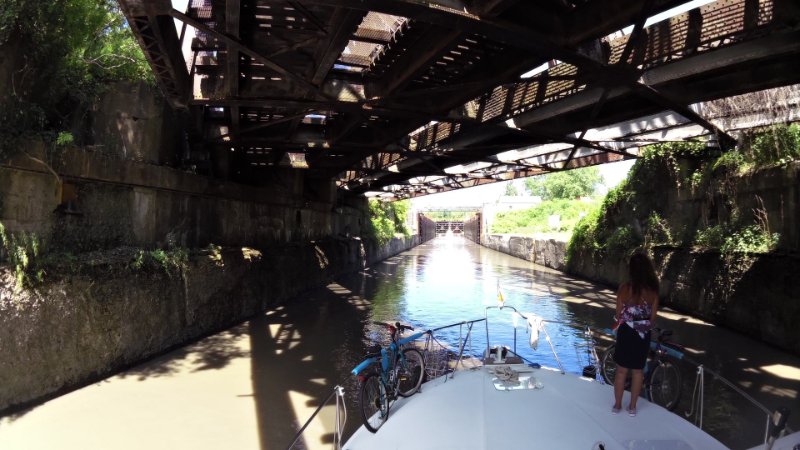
(666, 348)
(660, 348)
(388, 357)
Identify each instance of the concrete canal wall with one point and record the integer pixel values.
(755, 294)
(758, 295)
(543, 251)
(143, 256)
(108, 312)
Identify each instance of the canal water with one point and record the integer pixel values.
(254, 385)
(451, 280)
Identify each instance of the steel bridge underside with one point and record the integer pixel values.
(410, 98)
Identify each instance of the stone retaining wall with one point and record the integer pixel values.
(99, 202)
(545, 252)
(104, 315)
(756, 295)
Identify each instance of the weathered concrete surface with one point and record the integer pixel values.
(123, 189)
(545, 252)
(773, 192)
(473, 229)
(115, 202)
(92, 319)
(758, 295)
(132, 121)
(28, 198)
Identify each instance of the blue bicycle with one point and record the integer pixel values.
(400, 373)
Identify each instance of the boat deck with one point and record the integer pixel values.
(543, 409)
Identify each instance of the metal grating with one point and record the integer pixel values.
(380, 27)
(200, 9)
(282, 17)
(443, 131)
(708, 27)
(415, 70)
(375, 26)
(459, 60)
(359, 53)
(494, 104)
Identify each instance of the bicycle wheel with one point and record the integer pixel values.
(373, 403)
(410, 371)
(608, 365)
(664, 385)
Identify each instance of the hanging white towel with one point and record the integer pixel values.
(535, 324)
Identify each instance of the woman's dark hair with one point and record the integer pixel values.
(642, 274)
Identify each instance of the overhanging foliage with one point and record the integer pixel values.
(63, 53)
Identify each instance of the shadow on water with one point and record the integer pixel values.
(300, 351)
(211, 353)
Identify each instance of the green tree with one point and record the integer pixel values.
(388, 219)
(569, 184)
(67, 51)
(511, 190)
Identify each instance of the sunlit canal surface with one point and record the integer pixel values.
(253, 386)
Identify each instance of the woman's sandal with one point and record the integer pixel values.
(615, 410)
(632, 412)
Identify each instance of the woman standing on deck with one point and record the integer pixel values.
(637, 304)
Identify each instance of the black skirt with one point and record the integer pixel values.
(631, 350)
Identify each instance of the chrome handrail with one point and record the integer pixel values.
(338, 392)
(462, 340)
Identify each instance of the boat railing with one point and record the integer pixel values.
(773, 418)
(438, 363)
(437, 360)
(696, 412)
(697, 406)
(340, 418)
(539, 323)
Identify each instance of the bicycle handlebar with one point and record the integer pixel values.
(396, 325)
(404, 327)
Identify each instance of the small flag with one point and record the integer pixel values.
(500, 298)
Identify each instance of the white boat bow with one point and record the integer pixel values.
(477, 409)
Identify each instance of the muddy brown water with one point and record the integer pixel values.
(254, 385)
